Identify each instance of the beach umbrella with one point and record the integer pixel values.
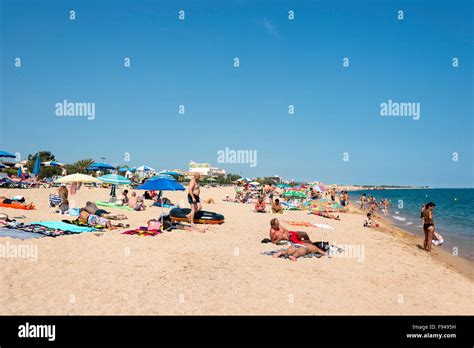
(114, 179)
(100, 166)
(317, 188)
(7, 154)
(293, 194)
(19, 172)
(283, 186)
(161, 176)
(211, 179)
(2, 166)
(145, 169)
(37, 166)
(123, 169)
(255, 183)
(77, 178)
(172, 173)
(52, 164)
(161, 184)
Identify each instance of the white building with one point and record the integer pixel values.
(205, 169)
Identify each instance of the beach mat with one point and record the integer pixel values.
(15, 206)
(59, 225)
(18, 234)
(143, 232)
(112, 205)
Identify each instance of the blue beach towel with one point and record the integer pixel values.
(59, 225)
(18, 234)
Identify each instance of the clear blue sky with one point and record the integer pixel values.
(282, 62)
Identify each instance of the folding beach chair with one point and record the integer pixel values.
(54, 201)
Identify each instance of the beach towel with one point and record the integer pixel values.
(112, 205)
(18, 234)
(308, 224)
(16, 206)
(143, 232)
(60, 225)
(273, 252)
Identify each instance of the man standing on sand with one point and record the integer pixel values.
(193, 197)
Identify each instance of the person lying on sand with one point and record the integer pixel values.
(92, 208)
(6, 200)
(299, 249)
(94, 220)
(326, 215)
(278, 233)
(169, 225)
(260, 205)
(369, 222)
(277, 208)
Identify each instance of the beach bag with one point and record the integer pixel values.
(154, 225)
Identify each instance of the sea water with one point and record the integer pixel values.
(453, 214)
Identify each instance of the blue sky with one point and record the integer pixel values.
(283, 62)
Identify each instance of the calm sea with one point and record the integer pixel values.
(453, 215)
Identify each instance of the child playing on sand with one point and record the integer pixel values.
(369, 222)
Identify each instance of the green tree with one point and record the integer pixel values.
(44, 156)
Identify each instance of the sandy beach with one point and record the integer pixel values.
(223, 272)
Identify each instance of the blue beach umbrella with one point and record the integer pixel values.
(52, 164)
(165, 176)
(100, 166)
(161, 184)
(19, 172)
(172, 173)
(7, 154)
(114, 179)
(2, 166)
(37, 166)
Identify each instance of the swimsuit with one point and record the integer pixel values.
(190, 199)
(294, 238)
(100, 212)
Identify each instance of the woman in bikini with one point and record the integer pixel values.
(428, 225)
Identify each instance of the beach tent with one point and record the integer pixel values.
(100, 166)
(7, 154)
(77, 178)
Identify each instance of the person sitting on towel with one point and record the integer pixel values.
(278, 234)
(277, 208)
(260, 205)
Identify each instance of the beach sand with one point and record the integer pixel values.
(223, 272)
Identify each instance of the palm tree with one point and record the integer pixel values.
(81, 165)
